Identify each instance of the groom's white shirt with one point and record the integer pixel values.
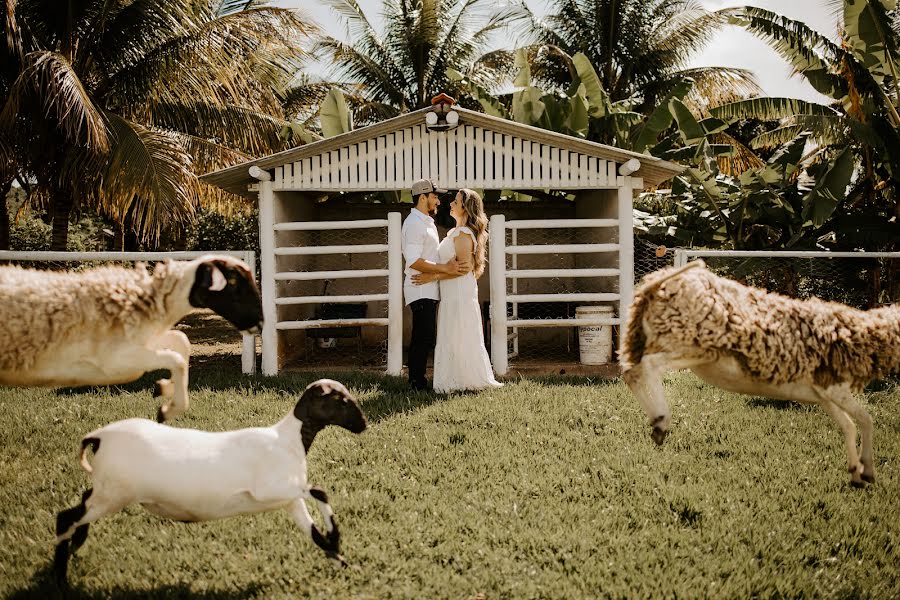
(420, 240)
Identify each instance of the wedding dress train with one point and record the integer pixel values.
(460, 359)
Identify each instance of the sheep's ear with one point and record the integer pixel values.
(218, 279)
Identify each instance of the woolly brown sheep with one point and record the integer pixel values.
(112, 324)
(749, 341)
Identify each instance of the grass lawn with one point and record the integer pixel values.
(542, 489)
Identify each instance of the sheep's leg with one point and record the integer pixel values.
(72, 528)
(301, 517)
(331, 528)
(645, 381)
(843, 398)
(848, 428)
(177, 341)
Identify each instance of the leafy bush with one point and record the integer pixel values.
(31, 233)
(214, 231)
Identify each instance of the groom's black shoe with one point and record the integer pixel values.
(419, 386)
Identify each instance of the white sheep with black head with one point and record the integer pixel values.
(191, 475)
(112, 324)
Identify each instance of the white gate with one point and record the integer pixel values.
(502, 322)
(270, 277)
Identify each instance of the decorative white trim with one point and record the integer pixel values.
(467, 156)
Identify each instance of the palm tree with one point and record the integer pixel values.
(640, 48)
(860, 76)
(403, 66)
(116, 104)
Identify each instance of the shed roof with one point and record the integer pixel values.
(591, 156)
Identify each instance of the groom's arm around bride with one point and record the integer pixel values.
(420, 242)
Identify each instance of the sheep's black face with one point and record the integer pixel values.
(227, 287)
(327, 402)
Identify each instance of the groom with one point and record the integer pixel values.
(420, 250)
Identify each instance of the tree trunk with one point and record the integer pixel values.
(120, 237)
(5, 186)
(62, 209)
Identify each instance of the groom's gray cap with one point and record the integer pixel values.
(425, 186)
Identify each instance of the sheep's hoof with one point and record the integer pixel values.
(160, 415)
(659, 435)
(338, 558)
(868, 477)
(857, 484)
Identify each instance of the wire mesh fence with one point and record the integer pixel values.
(862, 280)
(858, 279)
(345, 346)
(650, 257)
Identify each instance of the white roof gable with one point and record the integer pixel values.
(482, 152)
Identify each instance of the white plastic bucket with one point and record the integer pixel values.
(594, 341)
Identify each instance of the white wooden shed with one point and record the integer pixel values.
(310, 234)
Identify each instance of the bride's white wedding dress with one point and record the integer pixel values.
(460, 359)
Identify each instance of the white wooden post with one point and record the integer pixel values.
(497, 263)
(395, 296)
(626, 253)
(267, 272)
(248, 353)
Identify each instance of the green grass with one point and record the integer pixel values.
(542, 489)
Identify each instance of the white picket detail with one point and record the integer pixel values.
(466, 156)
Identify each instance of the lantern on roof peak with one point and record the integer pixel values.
(442, 117)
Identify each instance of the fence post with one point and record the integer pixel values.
(499, 347)
(267, 276)
(680, 257)
(248, 353)
(626, 253)
(395, 296)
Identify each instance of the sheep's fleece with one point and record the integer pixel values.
(775, 338)
(39, 310)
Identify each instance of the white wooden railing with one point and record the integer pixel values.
(248, 352)
(394, 275)
(499, 274)
(683, 255)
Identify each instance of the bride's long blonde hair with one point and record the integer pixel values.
(477, 221)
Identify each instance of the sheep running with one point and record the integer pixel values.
(190, 475)
(111, 324)
(749, 341)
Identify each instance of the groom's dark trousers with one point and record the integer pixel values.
(421, 344)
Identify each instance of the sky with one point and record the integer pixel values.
(733, 47)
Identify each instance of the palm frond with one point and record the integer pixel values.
(239, 128)
(217, 61)
(48, 86)
(149, 174)
(776, 137)
(770, 109)
(740, 160)
(383, 80)
(809, 53)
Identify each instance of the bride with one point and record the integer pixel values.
(460, 359)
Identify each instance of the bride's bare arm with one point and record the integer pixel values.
(465, 249)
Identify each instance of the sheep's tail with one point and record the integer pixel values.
(94, 444)
(635, 339)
